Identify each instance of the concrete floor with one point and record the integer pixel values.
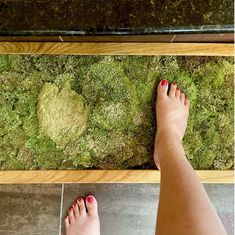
(125, 209)
(130, 209)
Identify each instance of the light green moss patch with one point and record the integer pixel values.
(75, 112)
(61, 114)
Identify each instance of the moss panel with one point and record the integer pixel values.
(77, 112)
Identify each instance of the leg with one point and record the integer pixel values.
(184, 206)
(82, 218)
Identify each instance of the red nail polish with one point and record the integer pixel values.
(79, 199)
(164, 82)
(90, 199)
(74, 204)
(70, 209)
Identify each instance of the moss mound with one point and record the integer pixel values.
(75, 112)
(61, 114)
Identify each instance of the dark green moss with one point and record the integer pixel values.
(118, 93)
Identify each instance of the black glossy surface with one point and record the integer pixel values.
(79, 17)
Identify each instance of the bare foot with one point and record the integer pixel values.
(172, 112)
(82, 218)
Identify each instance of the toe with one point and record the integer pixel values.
(177, 93)
(172, 89)
(182, 97)
(162, 88)
(66, 221)
(75, 209)
(91, 205)
(81, 204)
(71, 214)
(186, 102)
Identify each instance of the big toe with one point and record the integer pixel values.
(91, 205)
(162, 88)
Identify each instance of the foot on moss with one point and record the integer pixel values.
(172, 111)
(82, 218)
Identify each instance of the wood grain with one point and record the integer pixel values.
(103, 176)
(105, 48)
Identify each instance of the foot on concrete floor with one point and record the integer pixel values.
(172, 111)
(82, 218)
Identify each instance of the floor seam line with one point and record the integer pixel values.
(61, 207)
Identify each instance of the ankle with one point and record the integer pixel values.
(168, 145)
(167, 138)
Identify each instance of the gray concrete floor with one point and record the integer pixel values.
(125, 209)
(130, 209)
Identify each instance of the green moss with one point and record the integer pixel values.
(66, 112)
(110, 95)
(5, 63)
(213, 115)
(52, 65)
(46, 155)
(61, 114)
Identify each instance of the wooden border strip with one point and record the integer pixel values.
(103, 176)
(87, 48)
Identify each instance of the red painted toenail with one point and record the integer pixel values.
(70, 209)
(74, 204)
(79, 200)
(90, 199)
(164, 82)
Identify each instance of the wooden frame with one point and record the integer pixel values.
(108, 48)
(89, 48)
(102, 176)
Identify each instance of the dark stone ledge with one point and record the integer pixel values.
(126, 17)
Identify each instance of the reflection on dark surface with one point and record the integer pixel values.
(76, 17)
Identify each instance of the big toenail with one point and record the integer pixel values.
(164, 82)
(90, 199)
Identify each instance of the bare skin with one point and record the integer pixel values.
(184, 206)
(83, 218)
(172, 113)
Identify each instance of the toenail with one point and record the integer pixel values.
(70, 209)
(74, 204)
(164, 82)
(79, 199)
(178, 88)
(173, 83)
(90, 199)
